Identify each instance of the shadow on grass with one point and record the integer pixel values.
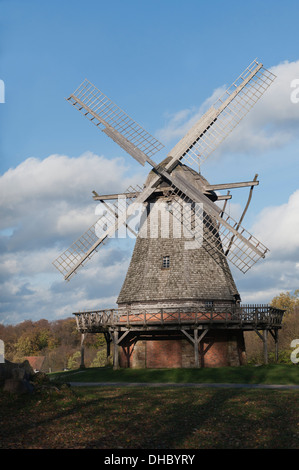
(153, 418)
(204, 420)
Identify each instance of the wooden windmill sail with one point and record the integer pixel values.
(240, 247)
(163, 272)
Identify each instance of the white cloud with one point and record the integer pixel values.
(266, 279)
(31, 287)
(73, 221)
(38, 183)
(271, 123)
(26, 263)
(45, 205)
(180, 122)
(278, 227)
(51, 198)
(56, 175)
(259, 296)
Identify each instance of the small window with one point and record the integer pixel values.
(209, 305)
(165, 263)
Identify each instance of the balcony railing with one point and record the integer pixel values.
(239, 316)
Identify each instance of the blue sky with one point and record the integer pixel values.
(155, 59)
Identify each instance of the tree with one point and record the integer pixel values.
(289, 331)
(66, 333)
(24, 347)
(57, 340)
(74, 360)
(33, 343)
(100, 360)
(286, 301)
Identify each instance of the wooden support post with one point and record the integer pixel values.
(108, 347)
(265, 346)
(195, 341)
(264, 338)
(274, 335)
(82, 365)
(115, 350)
(276, 344)
(196, 355)
(203, 334)
(108, 341)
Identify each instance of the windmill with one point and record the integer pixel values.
(156, 282)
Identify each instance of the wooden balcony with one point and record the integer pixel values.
(246, 317)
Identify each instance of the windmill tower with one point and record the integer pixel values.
(179, 305)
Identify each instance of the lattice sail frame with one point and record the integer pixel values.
(243, 250)
(219, 121)
(112, 120)
(94, 237)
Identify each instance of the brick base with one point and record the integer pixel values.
(172, 350)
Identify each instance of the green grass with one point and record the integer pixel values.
(115, 417)
(267, 374)
(155, 418)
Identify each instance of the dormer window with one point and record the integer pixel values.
(165, 262)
